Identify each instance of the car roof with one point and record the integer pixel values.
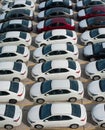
(16, 21)
(12, 34)
(59, 64)
(19, 2)
(59, 46)
(5, 85)
(58, 32)
(6, 65)
(2, 109)
(57, 0)
(8, 49)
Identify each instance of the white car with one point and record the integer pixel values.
(15, 38)
(98, 114)
(56, 36)
(15, 71)
(11, 91)
(56, 69)
(56, 51)
(18, 4)
(57, 90)
(14, 53)
(93, 36)
(57, 115)
(96, 69)
(96, 90)
(10, 116)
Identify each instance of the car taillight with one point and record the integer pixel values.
(17, 119)
(23, 73)
(20, 94)
(74, 38)
(83, 119)
(76, 53)
(78, 71)
(27, 40)
(81, 93)
(26, 55)
(32, 6)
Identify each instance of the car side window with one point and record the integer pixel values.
(4, 72)
(53, 25)
(7, 55)
(66, 118)
(63, 52)
(62, 37)
(60, 13)
(63, 70)
(101, 36)
(54, 71)
(17, 6)
(18, 26)
(53, 118)
(54, 38)
(53, 14)
(61, 24)
(54, 53)
(3, 93)
(2, 119)
(54, 92)
(10, 39)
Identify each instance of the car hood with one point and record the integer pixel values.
(85, 36)
(41, 14)
(88, 50)
(79, 4)
(42, 5)
(37, 69)
(81, 13)
(2, 16)
(39, 37)
(83, 23)
(40, 25)
(33, 114)
(38, 52)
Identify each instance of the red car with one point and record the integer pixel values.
(94, 11)
(56, 23)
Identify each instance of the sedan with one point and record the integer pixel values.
(15, 71)
(56, 51)
(91, 23)
(93, 36)
(56, 36)
(17, 14)
(56, 23)
(16, 25)
(14, 53)
(55, 3)
(10, 116)
(95, 51)
(11, 91)
(55, 12)
(96, 69)
(94, 11)
(56, 69)
(88, 3)
(96, 90)
(57, 90)
(98, 114)
(51, 115)
(18, 4)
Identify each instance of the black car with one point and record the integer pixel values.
(17, 14)
(94, 51)
(16, 25)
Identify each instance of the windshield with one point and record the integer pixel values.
(48, 22)
(46, 49)
(17, 66)
(102, 85)
(46, 66)
(68, 20)
(47, 34)
(45, 111)
(88, 10)
(9, 111)
(71, 64)
(94, 33)
(46, 86)
(100, 64)
(76, 110)
(90, 21)
(74, 85)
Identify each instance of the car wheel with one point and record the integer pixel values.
(96, 77)
(13, 101)
(103, 125)
(41, 79)
(70, 77)
(43, 44)
(92, 59)
(74, 126)
(99, 99)
(20, 61)
(42, 61)
(73, 99)
(38, 126)
(16, 79)
(8, 127)
(89, 43)
(40, 100)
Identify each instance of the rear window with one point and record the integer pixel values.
(69, 33)
(74, 85)
(23, 35)
(76, 110)
(9, 111)
(28, 2)
(14, 87)
(17, 66)
(20, 49)
(70, 47)
(71, 64)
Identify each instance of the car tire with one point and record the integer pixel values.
(74, 126)
(89, 43)
(40, 100)
(96, 77)
(13, 101)
(99, 99)
(41, 79)
(8, 127)
(42, 61)
(72, 99)
(70, 77)
(38, 126)
(43, 44)
(16, 79)
(102, 125)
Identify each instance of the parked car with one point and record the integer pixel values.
(17, 14)
(88, 3)
(96, 69)
(56, 51)
(92, 23)
(55, 3)
(95, 51)
(13, 71)
(11, 91)
(14, 53)
(57, 90)
(18, 4)
(55, 12)
(56, 36)
(93, 36)
(55, 23)
(93, 11)
(16, 25)
(51, 115)
(11, 116)
(5, 1)
(96, 90)
(98, 113)
(56, 69)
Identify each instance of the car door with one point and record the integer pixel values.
(8, 57)
(6, 74)
(100, 38)
(4, 96)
